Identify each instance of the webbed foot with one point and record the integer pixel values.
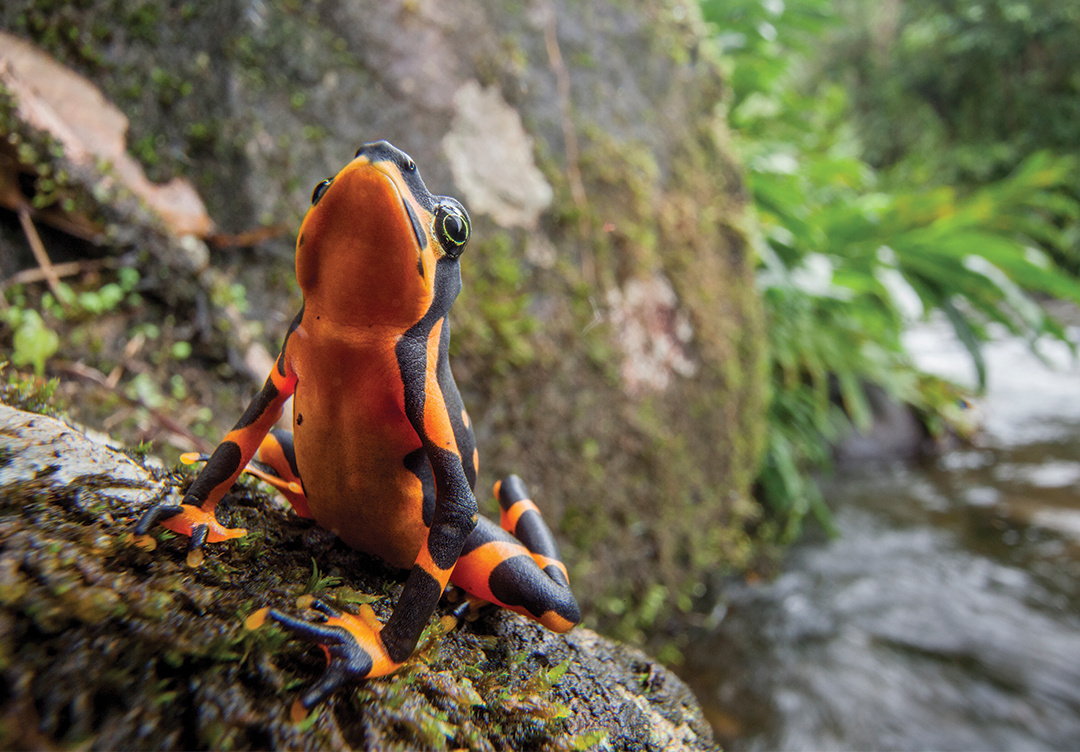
(353, 646)
(185, 519)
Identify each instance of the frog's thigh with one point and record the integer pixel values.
(495, 566)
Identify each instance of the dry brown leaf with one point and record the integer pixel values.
(55, 99)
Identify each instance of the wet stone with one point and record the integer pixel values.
(40, 450)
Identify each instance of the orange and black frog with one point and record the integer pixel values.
(381, 452)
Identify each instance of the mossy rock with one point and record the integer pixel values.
(104, 645)
(608, 341)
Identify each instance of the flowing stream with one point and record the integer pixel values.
(946, 615)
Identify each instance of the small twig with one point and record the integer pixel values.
(64, 269)
(562, 87)
(247, 238)
(47, 270)
(84, 371)
(132, 347)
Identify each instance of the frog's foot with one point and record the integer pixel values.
(276, 464)
(353, 646)
(185, 519)
(467, 608)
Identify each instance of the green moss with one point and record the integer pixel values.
(623, 180)
(497, 325)
(29, 393)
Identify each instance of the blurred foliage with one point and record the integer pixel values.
(848, 258)
(961, 92)
(34, 338)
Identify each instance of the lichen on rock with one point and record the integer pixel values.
(491, 158)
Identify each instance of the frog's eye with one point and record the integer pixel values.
(451, 226)
(320, 189)
(409, 165)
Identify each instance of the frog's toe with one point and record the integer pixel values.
(155, 514)
(353, 647)
(199, 534)
(469, 609)
(331, 680)
(346, 660)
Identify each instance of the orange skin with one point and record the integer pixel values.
(382, 452)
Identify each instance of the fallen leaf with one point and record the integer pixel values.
(55, 99)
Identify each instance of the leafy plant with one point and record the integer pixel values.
(961, 92)
(847, 262)
(34, 338)
(32, 342)
(318, 581)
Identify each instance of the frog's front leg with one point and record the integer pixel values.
(455, 513)
(275, 464)
(195, 515)
(351, 644)
(359, 647)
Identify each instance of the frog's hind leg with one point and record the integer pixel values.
(275, 463)
(518, 568)
(520, 517)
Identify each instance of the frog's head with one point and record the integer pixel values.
(368, 247)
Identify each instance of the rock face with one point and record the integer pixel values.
(106, 645)
(607, 341)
